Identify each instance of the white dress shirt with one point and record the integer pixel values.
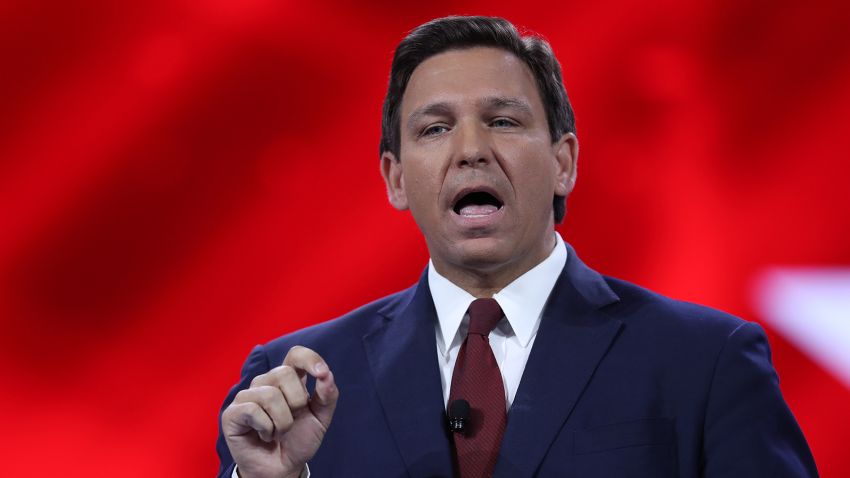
(522, 301)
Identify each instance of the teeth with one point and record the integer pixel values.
(478, 210)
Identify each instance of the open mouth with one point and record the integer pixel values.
(477, 203)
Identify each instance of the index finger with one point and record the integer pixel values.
(305, 360)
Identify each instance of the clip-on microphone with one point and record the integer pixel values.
(458, 415)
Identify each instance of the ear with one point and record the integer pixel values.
(391, 170)
(566, 161)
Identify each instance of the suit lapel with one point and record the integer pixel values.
(402, 356)
(573, 337)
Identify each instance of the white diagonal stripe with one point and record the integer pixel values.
(810, 307)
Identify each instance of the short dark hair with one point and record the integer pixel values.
(457, 32)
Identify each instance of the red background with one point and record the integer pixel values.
(180, 180)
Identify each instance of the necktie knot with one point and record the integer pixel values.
(484, 314)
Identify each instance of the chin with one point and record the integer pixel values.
(481, 253)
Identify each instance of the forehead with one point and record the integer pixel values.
(465, 77)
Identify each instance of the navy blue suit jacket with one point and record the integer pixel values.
(620, 383)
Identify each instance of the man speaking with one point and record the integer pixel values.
(545, 367)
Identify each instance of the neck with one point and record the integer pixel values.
(485, 280)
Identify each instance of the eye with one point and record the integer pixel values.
(503, 123)
(434, 130)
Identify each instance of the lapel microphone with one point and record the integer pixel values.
(458, 415)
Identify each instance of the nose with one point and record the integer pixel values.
(472, 146)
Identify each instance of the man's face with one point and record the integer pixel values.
(478, 168)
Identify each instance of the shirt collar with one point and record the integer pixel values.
(522, 300)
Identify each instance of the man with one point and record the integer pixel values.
(564, 372)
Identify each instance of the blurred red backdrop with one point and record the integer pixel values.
(183, 179)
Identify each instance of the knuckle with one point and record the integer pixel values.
(297, 400)
(246, 415)
(287, 372)
(282, 373)
(254, 417)
(239, 413)
(267, 394)
(240, 397)
(299, 355)
(258, 380)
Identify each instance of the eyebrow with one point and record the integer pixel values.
(431, 109)
(501, 102)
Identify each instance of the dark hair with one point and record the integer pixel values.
(455, 32)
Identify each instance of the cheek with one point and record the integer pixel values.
(420, 185)
(535, 178)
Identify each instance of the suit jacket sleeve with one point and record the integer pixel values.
(256, 364)
(749, 429)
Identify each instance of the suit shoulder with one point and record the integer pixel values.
(352, 325)
(641, 307)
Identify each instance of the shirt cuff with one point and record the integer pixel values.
(305, 473)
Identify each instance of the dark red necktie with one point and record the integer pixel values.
(477, 380)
